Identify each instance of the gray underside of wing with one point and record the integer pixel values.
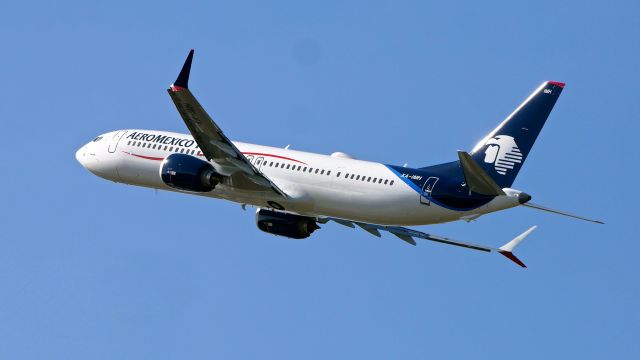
(217, 148)
(409, 235)
(227, 159)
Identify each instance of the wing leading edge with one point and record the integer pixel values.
(213, 143)
(408, 235)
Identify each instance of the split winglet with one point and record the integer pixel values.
(507, 249)
(182, 82)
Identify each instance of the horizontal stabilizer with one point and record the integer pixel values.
(476, 178)
(540, 207)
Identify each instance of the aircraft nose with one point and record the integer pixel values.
(80, 155)
(94, 157)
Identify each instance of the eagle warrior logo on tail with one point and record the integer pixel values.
(503, 152)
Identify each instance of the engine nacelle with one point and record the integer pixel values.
(283, 224)
(186, 172)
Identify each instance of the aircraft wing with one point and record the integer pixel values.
(213, 143)
(408, 235)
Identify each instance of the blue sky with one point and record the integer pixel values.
(95, 270)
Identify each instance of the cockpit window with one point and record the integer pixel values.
(97, 139)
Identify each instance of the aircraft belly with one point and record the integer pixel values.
(394, 208)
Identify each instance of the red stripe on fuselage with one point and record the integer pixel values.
(145, 157)
(275, 156)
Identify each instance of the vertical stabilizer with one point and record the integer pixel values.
(503, 152)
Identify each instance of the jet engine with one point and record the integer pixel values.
(283, 224)
(186, 172)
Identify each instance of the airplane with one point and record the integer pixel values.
(295, 191)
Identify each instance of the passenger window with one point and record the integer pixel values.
(171, 149)
(258, 162)
(364, 178)
(369, 179)
(299, 167)
(391, 183)
(310, 170)
(288, 165)
(317, 170)
(352, 175)
(304, 169)
(165, 148)
(328, 172)
(358, 177)
(271, 163)
(374, 180)
(379, 181)
(322, 172)
(386, 181)
(338, 174)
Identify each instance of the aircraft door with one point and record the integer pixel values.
(427, 189)
(259, 163)
(113, 144)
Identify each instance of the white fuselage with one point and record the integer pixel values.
(317, 184)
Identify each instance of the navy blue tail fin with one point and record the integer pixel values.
(503, 152)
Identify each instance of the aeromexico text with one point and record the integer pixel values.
(161, 139)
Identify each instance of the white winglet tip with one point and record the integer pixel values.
(507, 249)
(517, 240)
